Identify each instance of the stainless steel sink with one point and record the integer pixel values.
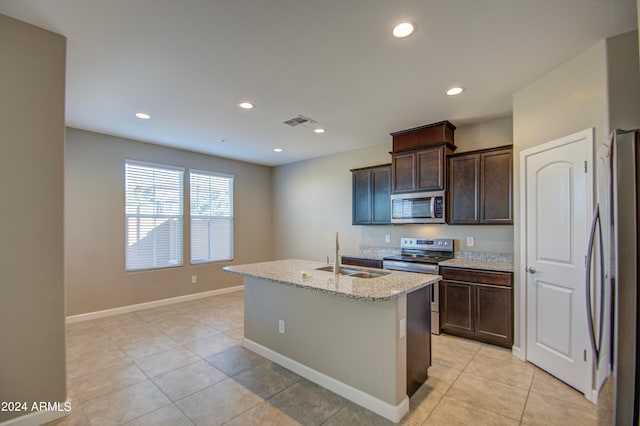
(357, 273)
(367, 274)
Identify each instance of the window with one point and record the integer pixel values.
(153, 198)
(211, 217)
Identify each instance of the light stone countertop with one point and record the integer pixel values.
(303, 274)
(488, 265)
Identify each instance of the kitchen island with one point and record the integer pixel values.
(366, 339)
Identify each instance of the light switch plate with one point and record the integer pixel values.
(387, 238)
(403, 327)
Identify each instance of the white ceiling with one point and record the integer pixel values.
(188, 63)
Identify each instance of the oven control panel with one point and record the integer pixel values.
(426, 244)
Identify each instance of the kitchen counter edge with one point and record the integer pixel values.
(290, 272)
(486, 265)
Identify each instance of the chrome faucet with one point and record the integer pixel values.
(336, 263)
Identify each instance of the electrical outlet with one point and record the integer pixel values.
(387, 238)
(470, 241)
(281, 326)
(194, 279)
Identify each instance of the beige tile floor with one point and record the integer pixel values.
(183, 364)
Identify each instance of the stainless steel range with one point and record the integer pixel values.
(423, 255)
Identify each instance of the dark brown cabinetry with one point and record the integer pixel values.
(419, 157)
(477, 304)
(360, 261)
(371, 195)
(418, 338)
(480, 187)
(419, 170)
(423, 136)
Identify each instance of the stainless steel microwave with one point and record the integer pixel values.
(418, 207)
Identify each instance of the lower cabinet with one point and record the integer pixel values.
(477, 304)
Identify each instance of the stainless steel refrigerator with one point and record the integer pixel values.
(620, 270)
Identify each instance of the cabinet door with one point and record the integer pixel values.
(361, 197)
(457, 308)
(381, 194)
(496, 187)
(494, 315)
(430, 165)
(464, 194)
(404, 172)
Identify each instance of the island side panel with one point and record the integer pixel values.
(354, 341)
(418, 338)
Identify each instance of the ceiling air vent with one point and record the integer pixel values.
(299, 119)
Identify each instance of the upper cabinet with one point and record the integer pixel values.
(480, 187)
(419, 157)
(419, 170)
(372, 195)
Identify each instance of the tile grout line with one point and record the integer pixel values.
(526, 401)
(445, 394)
(475, 405)
(119, 346)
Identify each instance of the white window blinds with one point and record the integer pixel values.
(211, 217)
(154, 218)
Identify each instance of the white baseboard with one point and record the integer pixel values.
(148, 305)
(37, 418)
(518, 353)
(391, 412)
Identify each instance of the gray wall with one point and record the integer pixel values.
(95, 276)
(571, 98)
(366, 332)
(312, 200)
(623, 81)
(580, 94)
(32, 78)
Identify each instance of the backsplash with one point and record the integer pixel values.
(380, 250)
(487, 239)
(485, 256)
(480, 256)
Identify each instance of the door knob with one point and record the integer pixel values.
(531, 270)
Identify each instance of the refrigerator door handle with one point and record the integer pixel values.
(592, 335)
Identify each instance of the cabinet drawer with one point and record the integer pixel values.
(477, 276)
(358, 261)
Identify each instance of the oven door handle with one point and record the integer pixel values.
(407, 267)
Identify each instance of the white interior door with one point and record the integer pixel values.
(558, 212)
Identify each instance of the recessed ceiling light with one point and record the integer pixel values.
(143, 116)
(278, 149)
(455, 91)
(319, 130)
(246, 105)
(403, 29)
